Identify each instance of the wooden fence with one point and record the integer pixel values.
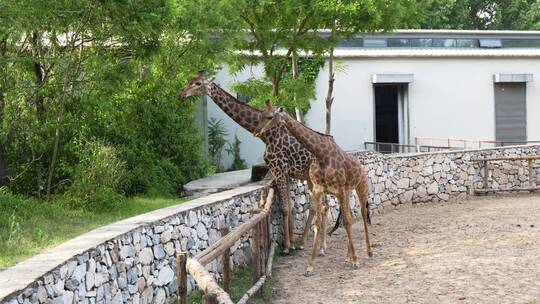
(485, 165)
(262, 254)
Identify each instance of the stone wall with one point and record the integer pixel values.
(132, 261)
(426, 177)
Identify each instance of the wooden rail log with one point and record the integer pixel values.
(260, 283)
(228, 241)
(205, 281)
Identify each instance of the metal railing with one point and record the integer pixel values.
(460, 143)
(387, 148)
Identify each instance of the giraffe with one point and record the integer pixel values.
(285, 156)
(333, 170)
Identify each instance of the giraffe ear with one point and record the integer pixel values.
(268, 104)
(281, 109)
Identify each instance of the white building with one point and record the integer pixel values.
(420, 83)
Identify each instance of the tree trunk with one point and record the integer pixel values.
(4, 175)
(294, 77)
(329, 98)
(59, 116)
(38, 72)
(54, 157)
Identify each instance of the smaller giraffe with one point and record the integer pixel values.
(334, 171)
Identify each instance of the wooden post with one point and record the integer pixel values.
(262, 247)
(531, 181)
(181, 276)
(485, 174)
(255, 254)
(226, 263)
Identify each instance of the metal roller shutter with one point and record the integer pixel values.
(510, 112)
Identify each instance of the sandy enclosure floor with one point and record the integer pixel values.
(485, 250)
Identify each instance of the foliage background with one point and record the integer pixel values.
(89, 101)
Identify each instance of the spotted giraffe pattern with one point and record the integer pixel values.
(285, 156)
(332, 170)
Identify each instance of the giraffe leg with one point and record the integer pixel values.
(324, 218)
(347, 222)
(311, 212)
(362, 192)
(317, 194)
(291, 221)
(283, 192)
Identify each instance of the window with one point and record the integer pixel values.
(350, 43)
(520, 43)
(397, 42)
(375, 43)
(490, 43)
(439, 42)
(467, 43)
(421, 42)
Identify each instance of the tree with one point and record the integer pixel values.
(345, 19)
(279, 30)
(104, 72)
(478, 14)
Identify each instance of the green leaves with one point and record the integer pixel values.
(479, 14)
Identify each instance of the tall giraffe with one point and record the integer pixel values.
(285, 156)
(333, 170)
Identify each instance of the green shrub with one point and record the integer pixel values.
(97, 178)
(216, 141)
(234, 150)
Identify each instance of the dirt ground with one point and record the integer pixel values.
(485, 250)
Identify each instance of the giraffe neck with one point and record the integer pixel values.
(246, 116)
(315, 142)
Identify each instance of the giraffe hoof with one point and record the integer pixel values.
(286, 251)
(357, 266)
(301, 247)
(309, 272)
(348, 263)
(322, 253)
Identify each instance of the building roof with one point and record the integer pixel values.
(436, 52)
(435, 43)
(441, 43)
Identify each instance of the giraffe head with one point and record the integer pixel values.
(198, 85)
(270, 118)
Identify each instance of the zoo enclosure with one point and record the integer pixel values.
(262, 254)
(435, 144)
(486, 172)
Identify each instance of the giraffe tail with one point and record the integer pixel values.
(336, 226)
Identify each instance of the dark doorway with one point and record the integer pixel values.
(386, 113)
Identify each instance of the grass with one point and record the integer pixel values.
(28, 226)
(240, 283)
